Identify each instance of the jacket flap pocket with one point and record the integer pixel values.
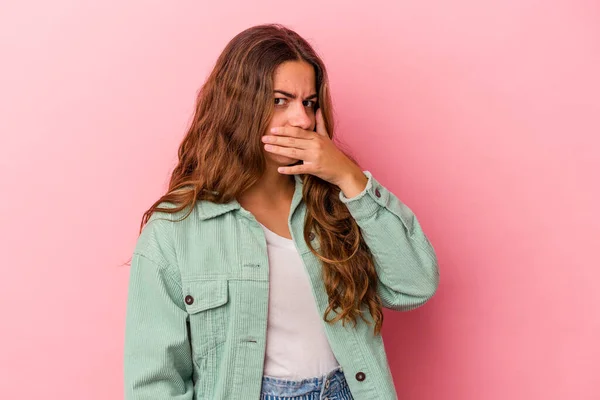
(205, 294)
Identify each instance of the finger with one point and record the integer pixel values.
(289, 131)
(286, 151)
(293, 170)
(287, 141)
(321, 123)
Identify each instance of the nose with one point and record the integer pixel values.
(300, 118)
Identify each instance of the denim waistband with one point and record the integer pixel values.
(320, 387)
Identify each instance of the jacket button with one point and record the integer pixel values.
(311, 236)
(377, 193)
(189, 299)
(360, 376)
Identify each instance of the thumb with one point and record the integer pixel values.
(321, 123)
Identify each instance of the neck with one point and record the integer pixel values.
(271, 189)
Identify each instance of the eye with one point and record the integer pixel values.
(280, 101)
(309, 103)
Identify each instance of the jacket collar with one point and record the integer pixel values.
(208, 209)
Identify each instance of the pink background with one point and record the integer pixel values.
(482, 116)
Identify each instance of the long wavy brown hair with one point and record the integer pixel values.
(221, 156)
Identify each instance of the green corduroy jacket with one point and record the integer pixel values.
(196, 316)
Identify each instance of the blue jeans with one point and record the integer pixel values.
(331, 386)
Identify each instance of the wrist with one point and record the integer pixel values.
(353, 183)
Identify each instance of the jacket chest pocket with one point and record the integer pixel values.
(206, 302)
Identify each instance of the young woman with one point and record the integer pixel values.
(262, 272)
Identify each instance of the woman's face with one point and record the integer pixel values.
(294, 100)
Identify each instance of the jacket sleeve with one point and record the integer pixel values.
(157, 354)
(404, 258)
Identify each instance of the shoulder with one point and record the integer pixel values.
(158, 238)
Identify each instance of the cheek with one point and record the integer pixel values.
(278, 119)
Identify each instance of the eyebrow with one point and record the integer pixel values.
(293, 96)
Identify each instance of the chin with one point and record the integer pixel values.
(283, 161)
(292, 161)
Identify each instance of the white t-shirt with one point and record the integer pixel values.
(297, 347)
